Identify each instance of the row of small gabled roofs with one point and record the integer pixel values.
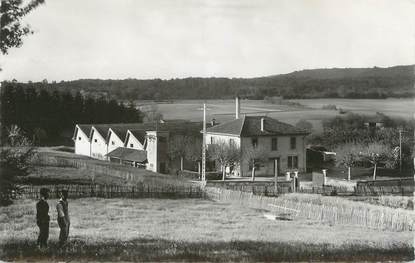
(249, 126)
(139, 129)
(246, 126)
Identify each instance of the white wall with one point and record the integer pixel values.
(134, 141)
(156, 151)
(267, 168)
(224, 138)
(82, 144)
(283, 151)
(98, 146)
(152, 151)
(114, 141)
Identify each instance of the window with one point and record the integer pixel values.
(274, 144)
(162, 139)
(112, 143)
(292, 162)
(95, 140)
(293, 143)
(131, 145)
(254, 142)
(79, 138)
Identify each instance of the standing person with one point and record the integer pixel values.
(63, 217)
(42, 218)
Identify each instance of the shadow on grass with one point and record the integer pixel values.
(163, 250)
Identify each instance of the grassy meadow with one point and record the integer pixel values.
(311, 109)
(191, 230)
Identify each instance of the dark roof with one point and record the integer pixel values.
(171, 127)
(85, 128)
(121, 129)
(174, 127)
(231, 127)
(139, 134)
(128, 154)
(251, 126)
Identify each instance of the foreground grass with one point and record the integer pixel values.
(190, 230)
(167, 250)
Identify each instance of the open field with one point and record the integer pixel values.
(191, 230)
(403, 108)
(223, 110)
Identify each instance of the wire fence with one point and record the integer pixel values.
(337, 212)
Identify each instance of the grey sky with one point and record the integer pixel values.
(167, 39)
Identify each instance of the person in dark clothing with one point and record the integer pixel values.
(63, 217)
(42, 218)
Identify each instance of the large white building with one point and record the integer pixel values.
(282, 144)
(130, 143)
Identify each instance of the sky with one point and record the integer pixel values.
(119, 39)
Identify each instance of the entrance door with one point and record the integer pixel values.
(162, 168)
(277, 166)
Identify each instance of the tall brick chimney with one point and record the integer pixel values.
(237, 108)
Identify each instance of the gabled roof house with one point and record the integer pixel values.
(283, 144)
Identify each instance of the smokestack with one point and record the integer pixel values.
(213, 122)
(238, 108)
(262, 124)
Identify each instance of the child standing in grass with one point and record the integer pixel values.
(42, 218)
(63, 217)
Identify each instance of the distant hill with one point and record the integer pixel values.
(341, 73)
(373, 82)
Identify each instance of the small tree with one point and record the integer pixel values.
(193, 151)
(255, 156)
(177, 148)
(377, 153)
(15, 161)
(16, 138)
(347, 156)
(224, 153)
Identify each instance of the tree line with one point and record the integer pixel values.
(375, 83)
(48, 116)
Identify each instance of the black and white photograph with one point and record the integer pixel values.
(207, 130)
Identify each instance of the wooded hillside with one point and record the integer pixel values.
(316, 83)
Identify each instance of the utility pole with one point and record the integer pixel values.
(400, 150)
(204, 145)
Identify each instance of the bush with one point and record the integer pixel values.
(14, 163)
(329, 107)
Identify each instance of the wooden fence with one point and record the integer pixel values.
(398, 186)
(113, 191)
(366, 215)
(267, 188)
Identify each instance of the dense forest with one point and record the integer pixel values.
(48, 116)
(317, 83)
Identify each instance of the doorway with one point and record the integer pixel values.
(276, 166)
